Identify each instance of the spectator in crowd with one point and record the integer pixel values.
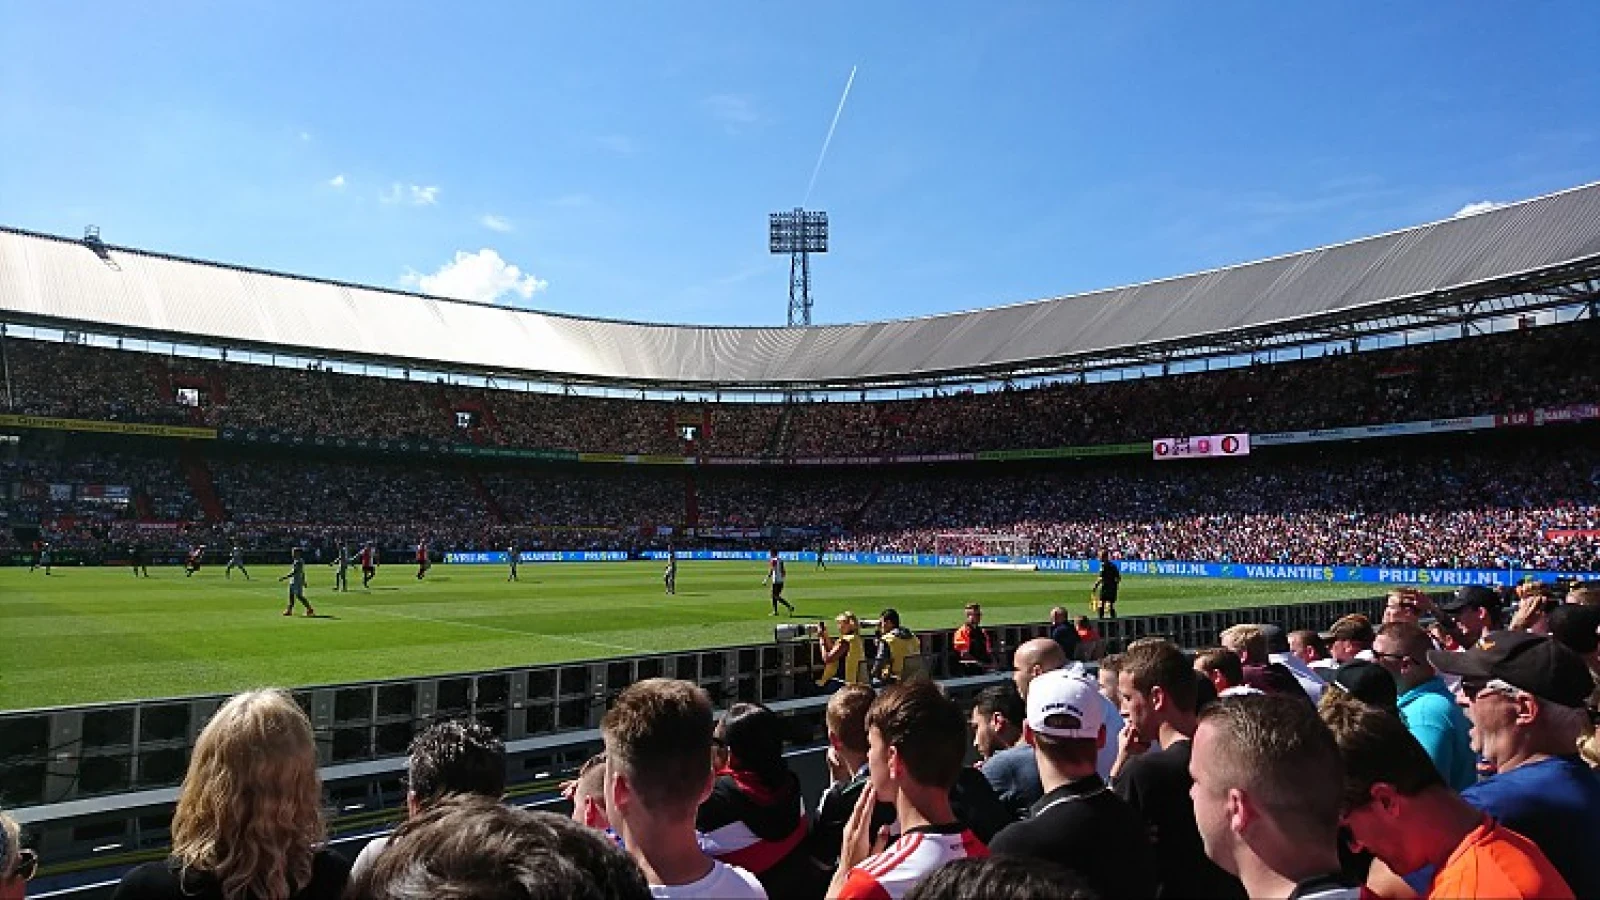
(1008, 764)
(755, 817)
(1365, 681)
(1037, 656)
(896, 644)
(1110, 668)
(1465, 616)
(1585, 593)
(1260, 671)
(1063, 632)
(973, 644)
(452, 757)
(1280, 652)
(1158, 703)
(915, 734)
(1078, 822)
(658, 771)
(1309, 647)
(848, 774)
(1527, 698)
(588, 795)
(473, 847)
(1088, 637)
(17, 864)
(1398, 807)
(1405, 605)
(1427, 707)
(1577, 628)
(1267, 784)
(1222, 668)
(1002, 878)
(249, 816)
(1350, 638)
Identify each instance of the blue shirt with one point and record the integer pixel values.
(1555, 803)
(1433, 718)
(1014, 773)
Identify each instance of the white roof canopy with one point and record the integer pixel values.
(56, 282)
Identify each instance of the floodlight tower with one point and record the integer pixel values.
(799, 233)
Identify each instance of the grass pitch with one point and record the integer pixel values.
(85, 635)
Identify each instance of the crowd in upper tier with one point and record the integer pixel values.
(1484, 375)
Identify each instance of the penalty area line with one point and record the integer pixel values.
(537, 634)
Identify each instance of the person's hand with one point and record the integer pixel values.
(1130, 743)
(859, 842)
(1530, 612)
(1416, 596)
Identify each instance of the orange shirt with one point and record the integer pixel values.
(1495, 861)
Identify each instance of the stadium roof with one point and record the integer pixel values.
(1429, 271)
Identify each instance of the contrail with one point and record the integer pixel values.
(829, 139)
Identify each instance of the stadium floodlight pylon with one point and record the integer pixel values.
(799, 233)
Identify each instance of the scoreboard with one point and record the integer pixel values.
(1201, 445)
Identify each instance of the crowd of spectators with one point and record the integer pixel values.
(1500, 373)
(1465, 509)
(1228, 776)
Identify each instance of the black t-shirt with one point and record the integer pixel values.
(1110, 580)
(1087, 828)
(972, 799)
(161, 881)
(1067, 636)
(1157, 786)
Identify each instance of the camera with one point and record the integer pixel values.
(789, 632)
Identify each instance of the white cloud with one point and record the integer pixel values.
(481, 276)
(496, 223)
(735, 111)
(337, 181)
(411, 194)
(1482, 206)
(305, 137)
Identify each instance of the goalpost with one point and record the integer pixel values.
(1005, 550)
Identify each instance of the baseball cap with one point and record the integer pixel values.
(1470, 595)
(1368, 682)
(1534, 663)
(1577, 627)
(1064, 705)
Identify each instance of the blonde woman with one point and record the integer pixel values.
(16, 864)
(249, 820)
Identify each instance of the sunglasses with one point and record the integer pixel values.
(1471, 688)
(27, 865)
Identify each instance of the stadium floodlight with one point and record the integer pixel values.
(799, 233)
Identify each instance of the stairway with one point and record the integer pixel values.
(200, 483)
(496, 513)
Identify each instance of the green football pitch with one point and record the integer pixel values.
(85, 635)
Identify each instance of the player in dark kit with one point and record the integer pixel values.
(369, 563)
(423, 564)
(41, 556)
(514, 559)
(1105, 587)
(138, 559)
(236, 561)
(296, 576)
(670, 576)
(191, 563)
(341, 572)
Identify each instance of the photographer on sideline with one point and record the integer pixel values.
(895, 643)
(845, 651)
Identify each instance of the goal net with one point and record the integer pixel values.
(1006, 550)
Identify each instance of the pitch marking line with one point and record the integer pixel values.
(537, 634)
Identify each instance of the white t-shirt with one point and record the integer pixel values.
(723, 881)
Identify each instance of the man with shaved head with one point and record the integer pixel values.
(1041, 655)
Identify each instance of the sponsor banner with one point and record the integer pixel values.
(1551, 415)
(1567, 534)
(1203, 445)
(53, 424)
(1390, 429)
(501, 557)
(1138, 449)
(1419, 577)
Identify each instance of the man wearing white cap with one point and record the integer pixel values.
(1078, 822)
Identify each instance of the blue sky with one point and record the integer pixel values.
(623, 157)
